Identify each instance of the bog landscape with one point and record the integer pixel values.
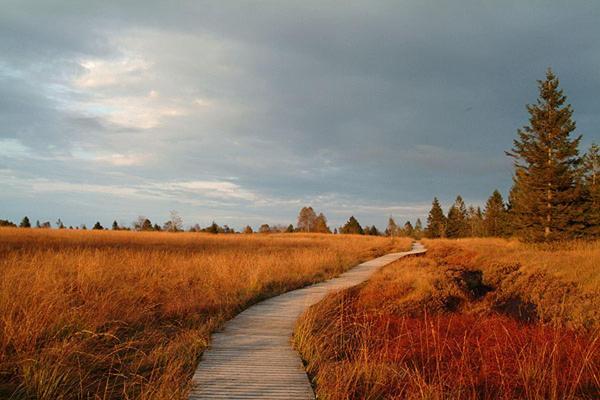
(299, 200)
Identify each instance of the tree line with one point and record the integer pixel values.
(308, 221)
(556, 190)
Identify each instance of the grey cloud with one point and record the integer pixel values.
(381, 103)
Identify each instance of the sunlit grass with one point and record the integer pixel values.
(434, 328)
(109, 315)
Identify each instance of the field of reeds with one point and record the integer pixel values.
(126, 315)
(472, 319)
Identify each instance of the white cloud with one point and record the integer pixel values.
(213, 189)
(103, 83)
(191, 192)
(13, 148)
(100, 73)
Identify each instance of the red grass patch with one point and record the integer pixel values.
(456, 356)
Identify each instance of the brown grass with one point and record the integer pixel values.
(107, 315)
(473, 319)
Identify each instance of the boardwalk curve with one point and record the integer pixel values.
(252, 358)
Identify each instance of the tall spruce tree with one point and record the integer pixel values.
(495, 216)
(546, 197)
(436, 221)
(456, 225)
(591, 182)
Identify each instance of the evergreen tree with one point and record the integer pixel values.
(546, 196)
(97, 226)
(495, 216)
(475, 222)
(392, 228)
(320, 224)
(591, 182)
(408, 229)
(115, 226)
(457, 226)
(418, 231)
(352, 227)
(212, 228)
(306, 219)
(142, 224)
(290, 229)
(155, 227)
(373, 231)
(436, 221)
(147, 225)
(25, 223)
(37, 224)
(59, 224)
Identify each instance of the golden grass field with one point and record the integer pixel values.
(472, 319)
(126, 315)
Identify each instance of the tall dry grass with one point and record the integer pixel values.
(560, 281)
(107, 315)
(473, 319)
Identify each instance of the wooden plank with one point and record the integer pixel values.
(252, 358)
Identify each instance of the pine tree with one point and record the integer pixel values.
(392, 228)
(372, 231)
(456, 226)
(25, 223)
(290, 229)
(436, 221)
(408, 229)
(591, 182)
(495, 216)
(352, 227)
(147, 225)
(115, 226)
(546, 197)
(97, 226)
(475, 222)
(212, 228)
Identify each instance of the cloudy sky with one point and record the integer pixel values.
(242, 112)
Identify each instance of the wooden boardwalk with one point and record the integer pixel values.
(252, 358)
